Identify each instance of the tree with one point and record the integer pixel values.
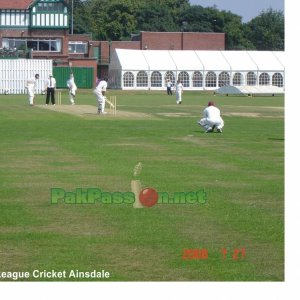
(81, 17)
(117, 19)
(197, 19)
(114, 20)
(155, 18)
(234, 32)
(266, 31)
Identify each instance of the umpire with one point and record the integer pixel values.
(50, 88)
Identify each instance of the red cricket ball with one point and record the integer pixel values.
(148, 197)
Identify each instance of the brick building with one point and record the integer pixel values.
(39, 29)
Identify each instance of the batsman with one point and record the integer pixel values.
(99, 92)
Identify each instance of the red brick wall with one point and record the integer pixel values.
(182, 41)
(160, 40)
(104, 51)
(203, 41)
(125, 45)
(135, 45)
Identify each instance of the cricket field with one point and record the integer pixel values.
(67, 207)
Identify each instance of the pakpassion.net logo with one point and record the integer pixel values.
(147, 197)
(139, 197)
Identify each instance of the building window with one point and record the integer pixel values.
(50, 7)
(224, 79)
(211, 79)
(156, 79)
(170, 75)
(78, 47)
(40, 45)
(128, 79)
(14, 17)
(251, 78)
(277, 80)
(264, 79)
(237, 79)
(184, 78)
(141, 79)
(197, 79)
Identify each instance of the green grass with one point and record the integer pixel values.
(241, 170)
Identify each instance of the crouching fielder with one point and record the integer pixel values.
(72, 89)
(30, 86)
(99, 92)
(211, 118)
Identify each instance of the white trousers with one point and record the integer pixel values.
(72, 93)
(178, 97)
(30, 91)
(100, 100)
(209, 123)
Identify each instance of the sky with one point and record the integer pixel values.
(247, 9)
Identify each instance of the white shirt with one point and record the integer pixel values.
(179, 87)
(169, 84)
(212, 113)
(31, 82)
(71, 84)
(102, 86)
(51, 82)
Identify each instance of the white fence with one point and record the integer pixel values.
(15, 72)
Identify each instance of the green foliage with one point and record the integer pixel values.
(156, 18)
(197, 19)
(81, 17)
(266, 31)
(118, 19)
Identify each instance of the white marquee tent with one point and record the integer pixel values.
(198, 70)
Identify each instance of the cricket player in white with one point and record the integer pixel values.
(30, 86)
(211, 118)
(72, 89)
(99, 92)
(179, 91)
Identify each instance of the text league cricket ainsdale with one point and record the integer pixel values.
(73, 274)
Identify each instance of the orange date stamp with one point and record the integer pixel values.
(202, 254)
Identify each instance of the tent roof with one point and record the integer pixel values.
(165, 60)
(213, 60)
(239, 60)
(266, 60)
(131, 60)
(159, 60)
(186, 60)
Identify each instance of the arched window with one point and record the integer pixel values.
(264, 79)
(156, 79)
(237, 79)
(277, 80)
(224, 79)
(211, 79)
(128, 79)
(251, 78)
(197, 79)
(184, 78)
(170, 75)
(141, 79)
